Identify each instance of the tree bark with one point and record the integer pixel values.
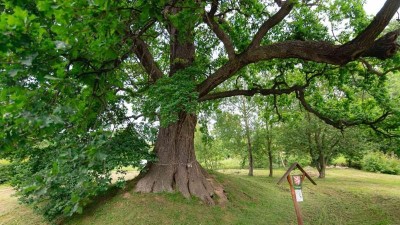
(177, 168)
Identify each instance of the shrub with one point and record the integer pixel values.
(63, 176)
(5, 173)
(303, 160)
(357, 164)
(340, 161)
(379, 162)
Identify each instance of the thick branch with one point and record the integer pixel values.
(307, 50)
(271, 22)
(146, 59)
(264, 91)
(316, 51)
(251, 92)
(384, 47)
(222, 36)
(214, 7)
(341, 123)
(366, 38)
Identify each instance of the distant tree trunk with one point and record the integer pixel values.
(250, 151)
(251, 163)
(319, 138)
(271, 168)
(316, 148)
(248, 136)
(270, 159)
(282, 159)
(269, 149)
(321, 166)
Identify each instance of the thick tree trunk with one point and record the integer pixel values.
(177, 168)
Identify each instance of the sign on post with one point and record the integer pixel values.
(295, 183)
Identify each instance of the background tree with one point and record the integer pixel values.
(229, 131)
(210, 151)
(320, 141)
(266, 135)
(245, 110)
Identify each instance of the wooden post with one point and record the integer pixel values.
(292, 191)
(296, 204)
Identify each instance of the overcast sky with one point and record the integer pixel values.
(373, 6)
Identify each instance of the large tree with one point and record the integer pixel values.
(167, 58)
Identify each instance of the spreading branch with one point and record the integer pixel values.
(365, 44)
(145, 57)
(366, 39)
(133, 117)
(271, 22)
(142, 52)
(250, 92)
(209, 19)
(371, 69)
(340, 123)
(274, 90)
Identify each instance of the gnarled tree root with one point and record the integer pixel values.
(189, 179)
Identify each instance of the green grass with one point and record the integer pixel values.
(345, 197)
(11, 212)
(231, 163)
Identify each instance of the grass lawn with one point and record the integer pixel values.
(346, 196)
(11, 212)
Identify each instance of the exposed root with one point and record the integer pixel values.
(190, 180)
